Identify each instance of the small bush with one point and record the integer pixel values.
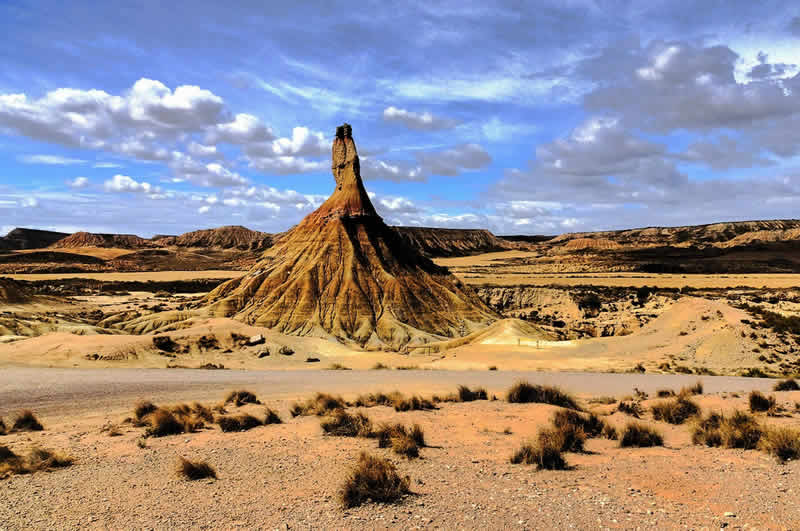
(759, 402)
(465, 394)
(665, 393)
(675, 411)
(545, 454)
(141, 409)
(272, 417)
(404, 445)
(321, 404)
(386, 431)
(343, 424)
(373, 478)
(592, 425)
(524, 392)
(414, 403)
(241, 397)
(696, 389)
(417, 435)
(740, 430)
(378, 399)
(38, 459)
(194, 470)
(787, 385)
(162, 423)
(640, 436)
(567, 437)
(783, 443)
(242, 422)
(707, 430)
(285, 351)
(26, 421)
(493, 367)
(610, 432)
(634, 409)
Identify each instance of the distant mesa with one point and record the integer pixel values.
(23, 239)
(88, 239)
(230, 237)
(342, 271)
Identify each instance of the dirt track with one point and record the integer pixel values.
(67, 392)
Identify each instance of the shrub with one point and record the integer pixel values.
(373, 478)
(787, 385)
(783, 443)
(696, 389)
(403, 444)
(417, 435)
(492, 367)
(193, 470)
(241, 397)
(272, 417)
(740, 430)
(343, 424)
(242, 422)
(545, 454)
(592, 425)
(707, 430)
(414, 403)
(610, 432)
(634, 409)
(759, 402)
(675, 411)
(567, 437)
(43, 459)
(640, 435)
(665, 393)
(26, 421)
(141, 409)
(524, 392)
(465, 394)
(378, 399)
(162, 422)
(321, 404)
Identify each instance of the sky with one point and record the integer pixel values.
(518, 117)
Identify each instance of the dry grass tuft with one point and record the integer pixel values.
(783, 443)
(194, 470)
(241, 422)
(413, 403)
(417, 435)
(379, 367)
(675, 411)
(787, 385)
(591, 424)
(375, 479)
(3, 428)
(26, 421)
(338, 367)
(321, 404)
(634, 409)
(272, 417)
(524, 392)
(378, 399)
(759, 402)
(38, 459)
(162, 422)
(343, 424)
(241, 397)
(640, 435)
(404, 445)
(739, 430)
(696, 389)
(545, 454)
(465, 394)
(665, 393)
(141, 409)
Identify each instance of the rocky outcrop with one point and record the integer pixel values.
(230, 237)
(343, 272)
(88, 239)
(12, 292)
(435, 242)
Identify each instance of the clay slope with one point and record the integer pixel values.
(231, 237)
(12, 292)
(88, 239)
(344, 272)
(19, 239)
(437, 243)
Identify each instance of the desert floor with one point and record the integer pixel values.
(287, 476)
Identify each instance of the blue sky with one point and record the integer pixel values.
(523, 118)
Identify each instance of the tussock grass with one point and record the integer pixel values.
(272, 417)
(343, 424)
(524, 392)
(379, 367)
(402, 440)
(665, 393)
(163, 422)
(787, 385)
(465, 394)
(406, 446)
(413, 403)
(26, 421)
(696, 389)
(544, 453)
(37, 460)
(3, 428)
(606, 400)
(640, 436)
(378, 399)
(783, 443)
(240, 397)
(567, 437)
(634, 409)
(591, 424)
(338, 367)
(194, 470)
(321, 404)
(241, 422)
(675, 411)
(141, 409)
(759, 402)
(373, 478)
(739, 430)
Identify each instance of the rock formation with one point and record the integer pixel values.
(12, 292)
(88, 239)
(342, 271)
(230, 237)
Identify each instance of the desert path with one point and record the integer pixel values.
(58, 393)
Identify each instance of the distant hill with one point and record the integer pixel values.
(88, 239)
(435, 242)
(21, 238)
(230, 237)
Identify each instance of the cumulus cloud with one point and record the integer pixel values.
(453, 161)
(420, 121)
(123, 183)
(78, 182)
(203, 151)
(53, 160)
(243, 129)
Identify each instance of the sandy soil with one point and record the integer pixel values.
(288, 476)
(157, 276)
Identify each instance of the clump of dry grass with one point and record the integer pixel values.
(3, 428)
(783, 443)
(406, 446)
(545, 453)
(632, 408)
(240, 397)
(591, 424)
(787, 385)
(675, 411)
(321, 404)
(696, 389)
(241, 422)
(141, 409)
(194, 470)
(37, 459)
(343, 424)
(26, 421)
(524, 392)
(607, 400)
(379, 367)
(665, 393)
(739, 430)
(413, 403)
(373, 478)
(378, 399)
(403, 441)
(759, 402)
(272, 417)
(465, 394)
(163, 422)
(338, 367)
(640, 436)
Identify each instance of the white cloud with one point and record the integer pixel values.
(106, 165)
(78, 182)
(303, 143)
(53, 160)
(29, 202)
(423, 121)
(123, 183)
(203, 151)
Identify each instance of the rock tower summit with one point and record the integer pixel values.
(343, 272)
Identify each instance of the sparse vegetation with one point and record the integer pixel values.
(665, 393)
(675, 411)
(343, 424)
(241, 397)
(591, 425)
(373, 478)
(285, 351)
(545, 454)
(320, 404)
(787, 385)
(465, 394)
(759, 402)
(782, 442)
(524, 392)
(37, 459)
(640, 435)
(272, 417)
(26, 421)
(413, 403)
(696, 389)
(379, 367)
(739, 430)
(162, 422)
(630, 407)
(241, 422)
(338, 367)
(194, 470)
